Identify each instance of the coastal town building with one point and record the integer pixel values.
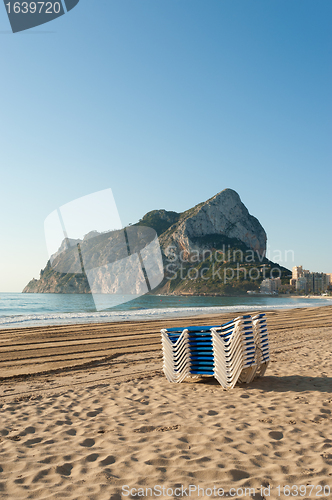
(301, 285)
(307, 282)
(297, 272)
(270, 285)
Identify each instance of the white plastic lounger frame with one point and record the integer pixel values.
(262, 342)
(176, 364)
(237, 351)
(234, 352)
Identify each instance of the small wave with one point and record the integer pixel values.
(139, 314)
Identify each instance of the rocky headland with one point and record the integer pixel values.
(201, 248)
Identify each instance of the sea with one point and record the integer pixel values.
(18, 310)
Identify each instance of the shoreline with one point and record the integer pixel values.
(144, 311)
(312, 296)
(187, 294)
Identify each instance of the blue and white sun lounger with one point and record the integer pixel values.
(235, 351)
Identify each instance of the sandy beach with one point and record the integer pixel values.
(86, 413)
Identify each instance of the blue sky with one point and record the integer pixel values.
(168, 102)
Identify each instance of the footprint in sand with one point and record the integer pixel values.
(203, 459)
(108, 460)
(40, 475)
(276, 435)
(30, 442)
(71, 432)
(94, 413)
(92, 458)
(88, 443)
(49, 460)
(28, 430)
(65, 469)
(63, 422)
(238, 474)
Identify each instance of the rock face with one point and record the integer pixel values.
(51, 281)
(221, 220)
(225, 215)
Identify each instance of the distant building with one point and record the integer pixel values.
(321, 282)
(270, 285)
(301, 285)
(307, 282)
(297, 272)
(310, 282)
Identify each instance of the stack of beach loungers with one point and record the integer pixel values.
(232, 352)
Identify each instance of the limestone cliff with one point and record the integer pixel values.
(221, 222)
(225, 215)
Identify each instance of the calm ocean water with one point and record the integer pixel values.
(23, 310)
